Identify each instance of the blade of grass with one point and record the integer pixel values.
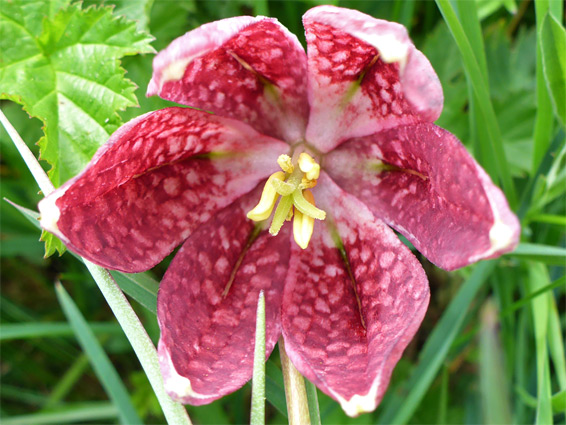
(135, 285)
(553, 45)
(50, 330)
(434, 353)
(312, 397)
(559, 402)
(479, 84)
(274, 388)
(526, 300)
(547, 254)
(86, 412)
(559, 220)
(443, 399)
(556, 345)
(258, 380)
(544, 118)
(100, 362)
(67, 382)
(495, 399)
(538, 277)
(468, 15)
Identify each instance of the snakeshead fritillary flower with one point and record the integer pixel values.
(345, 132)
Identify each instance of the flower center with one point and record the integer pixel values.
(296, 202)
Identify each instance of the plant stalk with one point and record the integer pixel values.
(295, 392)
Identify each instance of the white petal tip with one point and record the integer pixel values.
(50, 213)
(359, 404)
(501, 236)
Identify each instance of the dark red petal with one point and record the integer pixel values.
(321, 318)
(207, 340)
(365, 76)
(248, 68)
(152, 184)
(443, 202)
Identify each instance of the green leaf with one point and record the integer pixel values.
(85, 412)
(64, 70)
(553, 43)
(140, 286)
(544, 253)
(103, 368)
(559, 402)
(50, 330)
(494, 391)
(52, 244)
(538, 278)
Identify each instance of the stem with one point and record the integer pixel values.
(27, 155)
(174, 412)
(295, 393)
(258, 380)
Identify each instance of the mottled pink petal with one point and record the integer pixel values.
(325, 337)
(207, 339)
(365, 76)
(441, 199)
(248, 68)
(152, 184)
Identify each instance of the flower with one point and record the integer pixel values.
(351, 121)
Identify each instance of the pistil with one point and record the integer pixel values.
(295, 200)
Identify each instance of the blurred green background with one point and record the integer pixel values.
(488, 350)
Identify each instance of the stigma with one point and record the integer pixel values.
(290, 186)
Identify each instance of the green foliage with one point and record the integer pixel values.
(62, 66)
(554, 63)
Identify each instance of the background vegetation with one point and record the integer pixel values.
(491, 348)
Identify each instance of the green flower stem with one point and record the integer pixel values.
(38, 174)
(295, 392)
(175, 413)
(258, 380)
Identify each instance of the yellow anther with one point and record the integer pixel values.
(268, 198)
(303, 225)
(285, 163)
(307, 184)
(309, 166)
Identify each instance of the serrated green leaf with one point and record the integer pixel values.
(63, 68)
(554, 63)
(52, 244)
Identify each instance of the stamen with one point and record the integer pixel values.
(286, 164)
(295, 203)
(303, 225)
(309, 166)
(268, 198)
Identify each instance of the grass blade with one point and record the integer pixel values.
(50, 330)
(552, 255)
(538, 277)
(553, 44)
(312, 398)
(436, 348)
(90, 413)
(102, 366)
(494, 392)
(479, 84)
